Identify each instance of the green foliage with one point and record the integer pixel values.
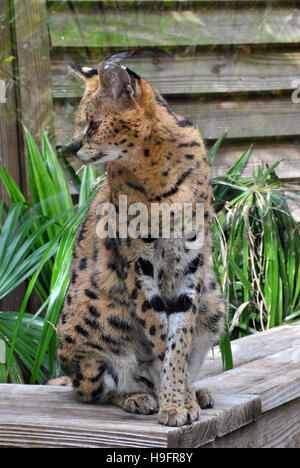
(257, 249)
(257, 258)
(36, 243)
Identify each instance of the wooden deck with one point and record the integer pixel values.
(257, 405)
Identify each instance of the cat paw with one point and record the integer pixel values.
(178, 416)
(205, 398)
(141, 404)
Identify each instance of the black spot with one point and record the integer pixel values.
(81, 330)
(189, 156)
(163, 336)
(149, 239)
(152, 330)
(173, 345)
(175, 187)
(111, 265)
(82, 231)
(146, 267)
(94, 311)
(69, 299)
(118, 323)
(141, 322)
(123, 140)
(146, 306)
(146, 152)
(108, 244)
(158, 304)
(182, 304)
(91, 323)
(185, 123)
(212, 285)
(136, 187)
(134, 293)
(90, 294)
(193, 265)
(93, 346)
(95, 254)
(70, 340)
(73, 276)
(110, 340)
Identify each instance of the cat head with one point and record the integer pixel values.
(115, 115)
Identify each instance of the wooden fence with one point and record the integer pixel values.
(223, 64)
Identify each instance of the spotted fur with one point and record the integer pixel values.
(140, 314)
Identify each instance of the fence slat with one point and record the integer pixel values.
(213, 73)
(9, 148)
(242, 119)
(158, 25)
(34, 65)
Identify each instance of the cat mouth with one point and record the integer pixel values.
(88, 156)
(91, 156)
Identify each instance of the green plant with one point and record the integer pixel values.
(36, 243)
(257, 251)
(257, 258)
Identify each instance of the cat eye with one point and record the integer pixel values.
(92, 128)
(94, 125)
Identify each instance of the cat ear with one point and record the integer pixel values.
(83, 73)
(116, 81)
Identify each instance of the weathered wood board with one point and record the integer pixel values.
(200, 73)
(257, 404)
(160, 25)
(251, 119)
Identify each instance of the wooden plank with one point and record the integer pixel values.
(202, 73)
(279, 428)
(242, 119)
(34, 65)
(161, 25)
(253, 347)
(39, 416)
(231, 411)
(263, 377)
(268, 153)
